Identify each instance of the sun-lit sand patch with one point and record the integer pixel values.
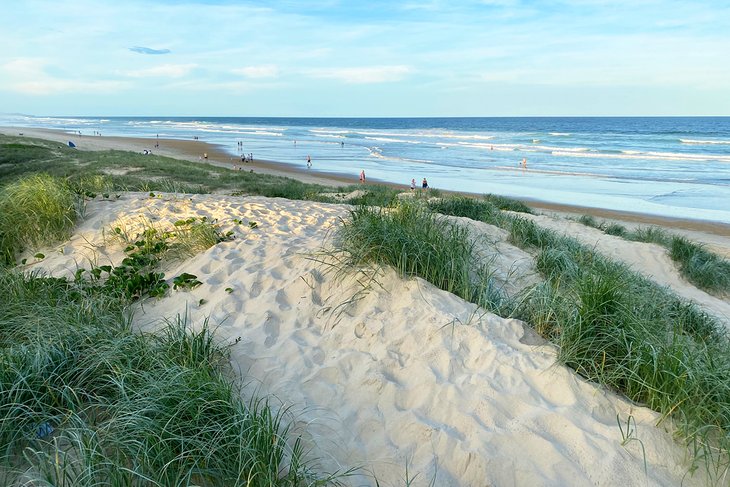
(120, 171)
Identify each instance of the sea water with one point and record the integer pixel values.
(667, 166)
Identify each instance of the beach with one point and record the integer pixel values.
(669, 168)
(400, 376)
(193, 150)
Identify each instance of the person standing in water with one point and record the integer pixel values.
(309, 162)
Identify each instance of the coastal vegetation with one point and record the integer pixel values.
(87, 400)
(33, 211)
(704, 269)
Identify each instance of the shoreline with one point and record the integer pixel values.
(193, 150)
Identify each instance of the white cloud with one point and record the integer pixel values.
(163, 71)
(51, 86)
(265, 71)
(28, 76)
(24, 67)
(362, 75)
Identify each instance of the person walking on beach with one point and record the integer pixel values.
(424, 184)
(413, 184)
(309, 162)
(362, 176)
(205, 156)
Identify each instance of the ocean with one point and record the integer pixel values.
(666, 166)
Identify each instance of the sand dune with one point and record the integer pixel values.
(400, 376)
(649, 259)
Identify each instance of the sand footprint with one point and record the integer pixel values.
(217, 278)
(318, 356)
(283, 300)
(271, 328)
(255, 289)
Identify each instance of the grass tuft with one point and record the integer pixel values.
(701, 267)
(34, 211)
(417, 243)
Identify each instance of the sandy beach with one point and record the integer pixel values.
(193, 150)
(399, 376)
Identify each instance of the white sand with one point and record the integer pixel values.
(406, 376)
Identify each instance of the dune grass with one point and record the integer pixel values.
(34, 211)
(704, 269)
(700, 266)
(86, 169)
(612, 326)
(416, 243)
(86, 401)
(465, 207)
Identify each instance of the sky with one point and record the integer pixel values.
(374, 58)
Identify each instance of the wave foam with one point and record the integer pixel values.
(704, 142)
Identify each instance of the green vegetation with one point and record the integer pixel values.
(104, 172)
(509, 204)
(611, 325)
(619, 329)
(86, 401)
(486, 209)
(35, 210)
(414, 242)
(465, 207)
(699, 266)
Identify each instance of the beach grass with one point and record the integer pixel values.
(35, 210)
(701, 267)
(415, 242)
(100, 172)
(479, 210)
(704, 269)
(622, 330)
(85, 400)
(611, 325)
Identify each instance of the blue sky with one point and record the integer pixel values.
(365, 58)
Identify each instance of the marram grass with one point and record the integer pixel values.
(416, 243)
(704, 269)
(34, 211)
